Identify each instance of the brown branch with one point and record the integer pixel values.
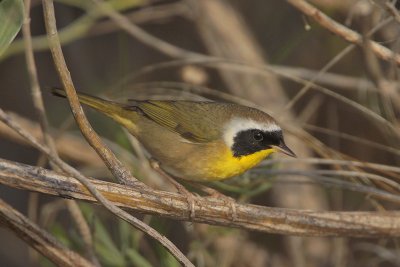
(116, 167)
(208, 210)
(344, 32)
(39, 239)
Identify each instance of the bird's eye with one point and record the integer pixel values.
(258, 136)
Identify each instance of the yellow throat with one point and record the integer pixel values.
(228, 166)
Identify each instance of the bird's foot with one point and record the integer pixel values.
(212, 193)
(190, 197)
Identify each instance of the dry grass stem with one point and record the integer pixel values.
(142, 35)
(34, 81)
(66, 145)
(83, 229)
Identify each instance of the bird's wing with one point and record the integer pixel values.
(191, 120)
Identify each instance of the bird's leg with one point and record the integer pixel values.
(211, 192)
(181, 189)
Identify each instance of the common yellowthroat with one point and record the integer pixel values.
(196, 141)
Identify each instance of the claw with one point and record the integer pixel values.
(190, 198)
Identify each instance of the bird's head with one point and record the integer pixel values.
(247, 135)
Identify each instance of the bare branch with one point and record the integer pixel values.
(39, 239)
(208, 210)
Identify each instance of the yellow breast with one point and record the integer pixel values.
(226, 165)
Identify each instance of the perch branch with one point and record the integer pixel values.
(208, 210)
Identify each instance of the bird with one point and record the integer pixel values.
(197, 141)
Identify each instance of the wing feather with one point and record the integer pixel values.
(191, 120)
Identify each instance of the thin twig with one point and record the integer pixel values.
(308, 85)
(66, 145)
(392, 10)
(330, 64)
(142, 35)
(138, 16)
(345, 174)
(342, 31)
(355, 139)
(373, 166)
(74, 31)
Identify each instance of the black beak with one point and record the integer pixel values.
(282, 147)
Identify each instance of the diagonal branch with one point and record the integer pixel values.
(344, 32)
(39, 239)
(116, 167)
(208, 210)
